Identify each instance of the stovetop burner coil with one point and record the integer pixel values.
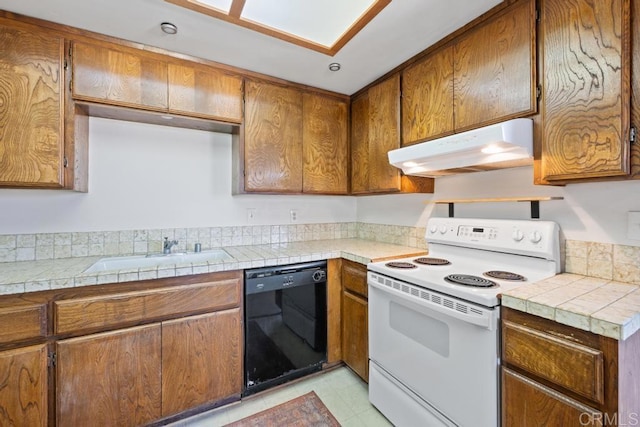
(432, 261)
(469, 280)
(400, 264)
(505, 275)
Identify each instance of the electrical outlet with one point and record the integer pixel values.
(251, 215)
(293, 214)
(633, 225)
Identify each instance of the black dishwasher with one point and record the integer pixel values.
(285, 318)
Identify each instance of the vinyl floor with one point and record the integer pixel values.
(342, 392)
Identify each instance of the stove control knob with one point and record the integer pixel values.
(443, 229)
(518, 235)
(433, 229)
(535, 237)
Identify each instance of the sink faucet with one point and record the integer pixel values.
(168, 244)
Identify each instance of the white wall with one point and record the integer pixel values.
(147, 176)
(589, 211)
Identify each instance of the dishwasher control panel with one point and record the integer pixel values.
(281, 277)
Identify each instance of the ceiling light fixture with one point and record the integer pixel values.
(334, 66)
(168, 28)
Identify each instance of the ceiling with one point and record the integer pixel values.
(401, 30)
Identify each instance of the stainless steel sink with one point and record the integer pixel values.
(140, 261)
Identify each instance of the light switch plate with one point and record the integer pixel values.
(633, 225)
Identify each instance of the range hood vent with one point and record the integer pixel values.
(503, 145)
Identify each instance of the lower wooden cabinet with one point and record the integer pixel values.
(109, 379)
(201, 360)
(24, 386)
(355, 331)
(557, 375)
(120, 355)
(528, 403)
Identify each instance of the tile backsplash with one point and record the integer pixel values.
(603, 260)
(31, 247)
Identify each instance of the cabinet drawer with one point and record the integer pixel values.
(354, 278)
(23, 322)
(527, 403)
(127, 308)
(563, 362)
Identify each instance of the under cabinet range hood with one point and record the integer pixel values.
(503, 145)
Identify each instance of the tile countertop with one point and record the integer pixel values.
(604, 307)
(32, 276)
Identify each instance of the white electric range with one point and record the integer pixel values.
(434, 321)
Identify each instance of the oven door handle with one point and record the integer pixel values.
(483, 317)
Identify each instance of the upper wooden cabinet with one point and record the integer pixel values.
(31, 107)
(375, 130)
(272, 138)
(294, 141)
(585, 112)
(119, 76)
(486, 75)
(204, 92)
(427, 98)
(494, 70)
(325, 146)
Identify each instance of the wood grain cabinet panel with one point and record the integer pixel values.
(31, 107)
(355, 334)
(354, 278)
(272, 138)
(360, 144)
(384, 134)
(204, 92)
(23, 322)
(494, 69)
(355, 321)
(427, 98)
(325, 149)
(570, 365)
(24, 387)
(201, 360)
(586, 88)
(119, 76)
(110, 379)
(127, 308)
(526, 403)
(635, 85)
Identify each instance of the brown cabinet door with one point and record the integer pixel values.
(355, 334)
(204, 92)
(272, 138)
(31, 108)
(121, 77)
(586, 88)
(526, 403)
(360, 144)
(495, 68)
(324, 136)
(201, 360)
(109, 379)
(23, 387)
(384, 134)
(427, 98)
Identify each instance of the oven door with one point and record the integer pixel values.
(443, 350)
